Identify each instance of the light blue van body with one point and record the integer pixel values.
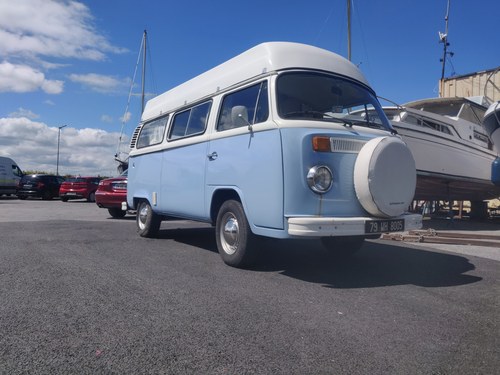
(265, 163)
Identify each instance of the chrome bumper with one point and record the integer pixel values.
(343, 226)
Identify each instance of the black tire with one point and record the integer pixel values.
(22, 197)
(342, 247)
(148, 222)
(235, 241)
(117, 213)
(91, 197)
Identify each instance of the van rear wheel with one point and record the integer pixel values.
(235, 240)
(148, 222)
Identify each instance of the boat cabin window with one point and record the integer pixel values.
(472, 114)
(436, 126)
(152, 132)
(428, 124)
(190, 121)
(323, 97)
(244, 107)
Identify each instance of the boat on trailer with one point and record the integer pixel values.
(455, 156)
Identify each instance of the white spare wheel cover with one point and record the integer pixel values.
(385, 177)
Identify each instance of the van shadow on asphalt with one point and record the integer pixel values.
(377, 264)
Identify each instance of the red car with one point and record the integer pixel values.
(79, 188)
(110, 194)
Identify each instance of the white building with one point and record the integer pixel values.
(485, 83)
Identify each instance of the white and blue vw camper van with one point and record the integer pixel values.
(285, 140)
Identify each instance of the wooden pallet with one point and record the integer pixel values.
(452, 238)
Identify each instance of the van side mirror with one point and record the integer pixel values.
(239, 115)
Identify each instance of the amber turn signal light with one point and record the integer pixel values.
(321, 144)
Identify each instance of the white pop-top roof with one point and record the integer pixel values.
(259, 60)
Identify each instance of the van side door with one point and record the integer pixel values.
(183, 164)
(245, 156)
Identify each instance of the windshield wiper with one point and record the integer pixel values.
(318, 115)
(368, 124)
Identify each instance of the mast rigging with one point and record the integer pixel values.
(443, 38)
(123, 164)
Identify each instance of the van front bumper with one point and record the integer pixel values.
(351, 226)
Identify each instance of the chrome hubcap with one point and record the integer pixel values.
(142, 216)
(230, 234)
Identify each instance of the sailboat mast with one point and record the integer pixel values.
(143, 80)
(444, 40)
(349, 30)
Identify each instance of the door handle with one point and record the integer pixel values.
(212, 156)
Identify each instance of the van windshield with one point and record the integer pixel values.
(323, 97)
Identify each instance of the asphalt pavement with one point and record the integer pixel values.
(81, 292)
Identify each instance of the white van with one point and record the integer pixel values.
(10, 174)
(285, 140)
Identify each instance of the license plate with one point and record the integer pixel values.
(385, 226)
(70, 193)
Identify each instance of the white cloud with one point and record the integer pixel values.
(23, 112)
(23, 78)
(34, 31)
(33, 145)
(99, 82)
(52, 87)
(106, 118)
(126, 117)
(55, 28)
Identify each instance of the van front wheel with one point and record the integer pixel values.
(235, 240)
(148, 222)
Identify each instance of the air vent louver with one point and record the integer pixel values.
(133, 140)
(346, 145)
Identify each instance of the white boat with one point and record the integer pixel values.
(454, 154)
(491, 122)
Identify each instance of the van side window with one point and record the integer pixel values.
(190, 122)
(152, 132)
(244, 107)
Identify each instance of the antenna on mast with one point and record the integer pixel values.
(349, 30)
(145, 41)
(443, 38)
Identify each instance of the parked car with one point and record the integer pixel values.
(43, 186)
(110, 194)
(79, 188)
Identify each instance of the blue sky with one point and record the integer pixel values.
(71, 62)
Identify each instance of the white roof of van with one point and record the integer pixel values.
(257, 61)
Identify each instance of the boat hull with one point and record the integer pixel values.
(448, 169)
(433, 187)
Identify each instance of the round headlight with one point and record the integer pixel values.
(319, 179)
